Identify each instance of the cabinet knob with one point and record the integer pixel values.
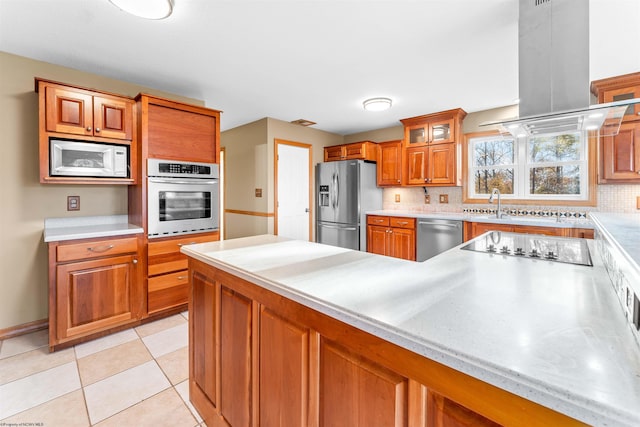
(135, 261)
(89, 128)
(398, 180)
(97, 129)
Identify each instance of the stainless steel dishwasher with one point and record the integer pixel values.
(435, 236)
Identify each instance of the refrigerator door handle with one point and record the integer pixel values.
(337, 189)
(338, 227)
(333, 190)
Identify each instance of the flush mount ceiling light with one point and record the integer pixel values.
(148, 9)
(377, 104)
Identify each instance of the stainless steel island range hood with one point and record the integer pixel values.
(553, 44)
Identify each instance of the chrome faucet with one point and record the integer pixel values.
(498, 211)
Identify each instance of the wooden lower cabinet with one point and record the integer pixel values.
(356, 392)
(167, 283)
(94, 286)
(392, 236)
(259, 359)
(284, 367)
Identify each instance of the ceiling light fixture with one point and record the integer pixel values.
(148, 9)
(377, 104)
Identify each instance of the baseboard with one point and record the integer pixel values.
(25, 328)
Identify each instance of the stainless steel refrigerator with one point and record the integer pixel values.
(345, 191)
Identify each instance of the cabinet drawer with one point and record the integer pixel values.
(165, 257)
(172, 246)
(96, 248)
(378, 220)
(168, 290)
(399, 222)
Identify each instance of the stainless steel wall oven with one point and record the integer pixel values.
(182, 197)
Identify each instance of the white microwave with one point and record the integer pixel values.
(89, 159)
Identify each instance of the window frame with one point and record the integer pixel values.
(521, 174)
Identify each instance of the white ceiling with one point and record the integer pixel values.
(293, 59)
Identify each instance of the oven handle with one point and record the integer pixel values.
(175, 181)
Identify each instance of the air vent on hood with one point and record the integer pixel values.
(553, 44)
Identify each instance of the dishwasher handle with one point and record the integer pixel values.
(444, 224)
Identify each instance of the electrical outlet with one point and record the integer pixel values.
(397, 198)
(258, 192)
(638, 202)
(73, 203)
(427, 199)
(444, 198)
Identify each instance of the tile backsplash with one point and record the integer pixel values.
(611, 198)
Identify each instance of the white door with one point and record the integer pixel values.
(293, 190)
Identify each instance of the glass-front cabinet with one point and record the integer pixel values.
(431, 147)
(631, 92)
(619, 155)
(430, 133)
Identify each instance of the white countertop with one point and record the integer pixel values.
(550, 332)
(623, 231)
(59, 229)
(536, 221)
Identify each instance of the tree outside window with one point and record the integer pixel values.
(551, 166)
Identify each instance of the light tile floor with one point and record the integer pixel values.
(135, 377)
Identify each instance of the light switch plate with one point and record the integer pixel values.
(397, 198)
(444, 198)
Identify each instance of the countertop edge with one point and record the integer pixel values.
(552, 397)
(512, 220)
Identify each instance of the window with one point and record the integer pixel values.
(543, 167)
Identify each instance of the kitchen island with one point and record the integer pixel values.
(297, 333)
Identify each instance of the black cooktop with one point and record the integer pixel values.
(556, 249)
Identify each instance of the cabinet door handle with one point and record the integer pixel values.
(89, 128)
(135, 261)
(403, 222)
(97, 129)
(185, 244)
(100, 249)
(181, 277)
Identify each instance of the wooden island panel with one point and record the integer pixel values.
(313, 370)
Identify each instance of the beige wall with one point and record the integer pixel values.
(377, 135)
(249, 164)
(245, 170)
(26, 202)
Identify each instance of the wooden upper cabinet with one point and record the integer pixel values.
(431, 149)
(619, 88)
(620, 154)
(416, 166)
(437, 128)
(80, 112)
(176, 131)
(84, 115)
(112, 118)
(389, 168)
(364, 150)
(441, 168)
